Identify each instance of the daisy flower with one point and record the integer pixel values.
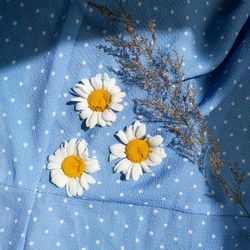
(71, 166)
(138, 151)
(98, 98)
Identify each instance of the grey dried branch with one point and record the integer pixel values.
(215, 160)
(106, 12)
(216, 163)
(172, 102)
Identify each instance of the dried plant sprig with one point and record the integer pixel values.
(171, 101)
(217, 164)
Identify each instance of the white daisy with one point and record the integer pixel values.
(98, 98)
(138, 151)
(71, 166)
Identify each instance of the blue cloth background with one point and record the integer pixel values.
(48, 46)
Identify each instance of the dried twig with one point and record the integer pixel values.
(216, 164)
(171, 102)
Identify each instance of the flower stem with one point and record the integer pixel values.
(244, 209)
(247, 212)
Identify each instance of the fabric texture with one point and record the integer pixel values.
(46, 47)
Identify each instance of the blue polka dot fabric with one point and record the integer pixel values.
(49, 46)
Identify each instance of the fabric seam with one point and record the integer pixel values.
(125, 203)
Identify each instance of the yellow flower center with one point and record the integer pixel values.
(137, 150)
(99, 99)
(73, 166)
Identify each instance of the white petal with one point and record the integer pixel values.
(84, 183)
(150, 163)
(71, 146)
(84, 88)
(63, 151)
(96, 81)
(136, 171)
(88, 178)
(59, 153)
(55, 159)
(85, 154)
(92, 165)
(86, 113)
(108, 83)
(154, 158)
(79, 189)
(145, 167)
(80, 92)
(155, 141)
(140, 130)
(80, 106)
(73, 186)
(115, 100)
(81, 147)
(130, 133)
(87, 121)
(77, 99)
(119, 95)
(114, 90)
(112, 157)
(118, 150)
(101, 120)
(128, 175)
(122, 166)
(159, 150)
(105, 79)
(55, 172)
(64, 146)
(60, 180)
(93, 120)
(116, 106)
(108, 115)
(87, 84)
(68, 191)
(52, 165)
(122, 136)
(136, 125)
(99, 81)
